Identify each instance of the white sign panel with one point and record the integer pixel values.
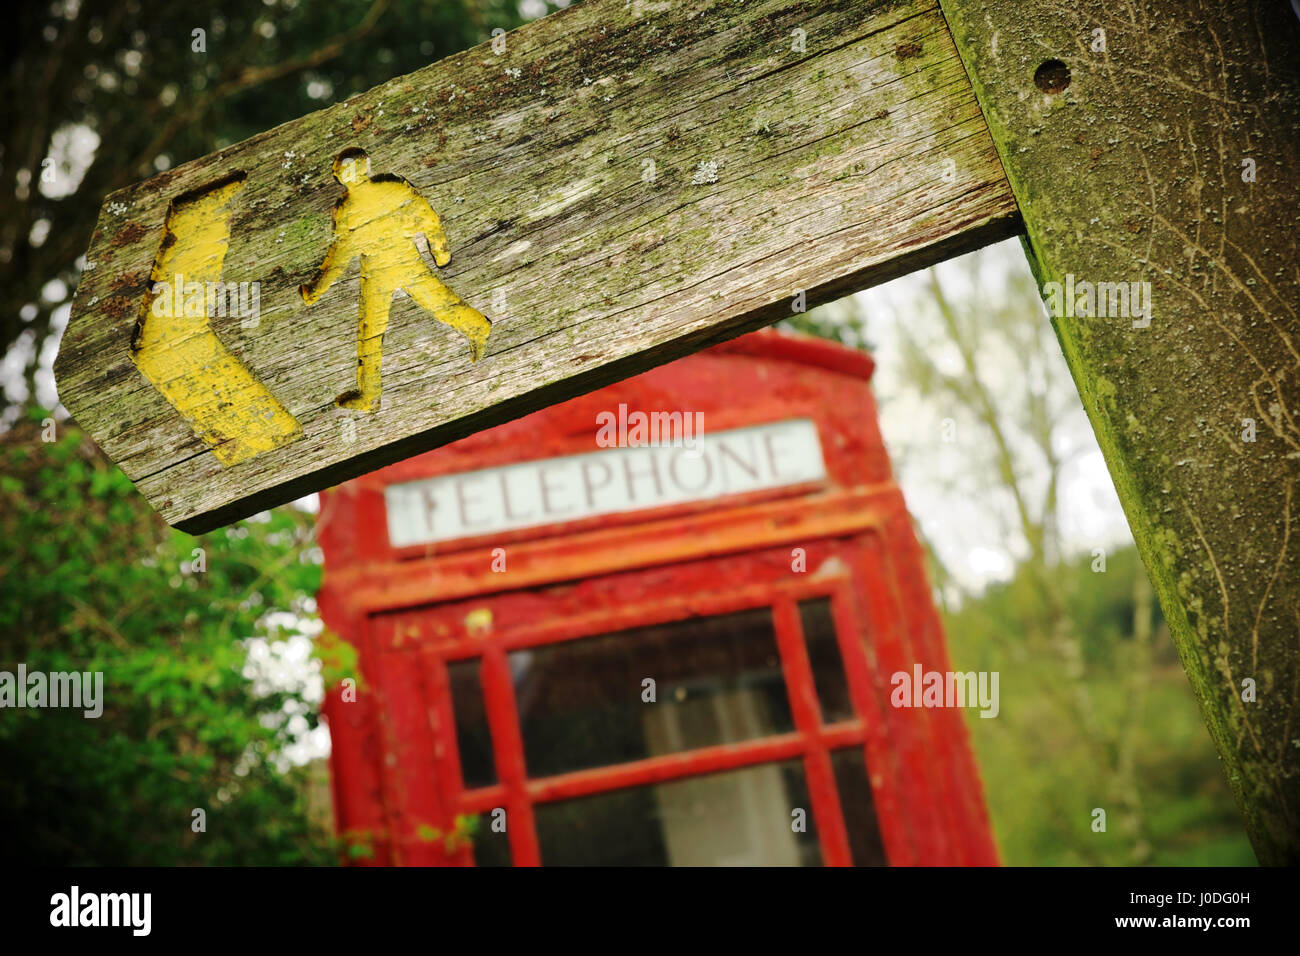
(608, 481)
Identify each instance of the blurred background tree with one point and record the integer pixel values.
(203, 645)
(1036, 574)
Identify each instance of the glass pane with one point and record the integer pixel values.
(582, 703)
(737, 818)
(477, 767)
(490, 848)
(859, 809)
(824, 656)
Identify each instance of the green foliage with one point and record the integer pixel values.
(840, 321)
(92, 580)
(461, 834)
(338, 659)
(358, 844)
(1047, 762)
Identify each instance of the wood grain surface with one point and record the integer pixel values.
(618, 185)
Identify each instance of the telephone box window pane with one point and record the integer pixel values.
(477, 767)
(490, 847)
(859, 809)
(737, 818)
(585, 703)
(824, 656)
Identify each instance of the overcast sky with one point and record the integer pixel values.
(965, 530)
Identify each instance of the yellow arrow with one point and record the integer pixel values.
(175, 348)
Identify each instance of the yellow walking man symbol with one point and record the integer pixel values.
(379, 220)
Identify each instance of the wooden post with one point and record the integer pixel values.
(1155, 141)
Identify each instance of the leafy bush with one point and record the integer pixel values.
(92, 580)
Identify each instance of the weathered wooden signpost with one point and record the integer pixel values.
(618, 185)
(609, 190)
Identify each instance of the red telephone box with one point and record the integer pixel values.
(648, 654)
